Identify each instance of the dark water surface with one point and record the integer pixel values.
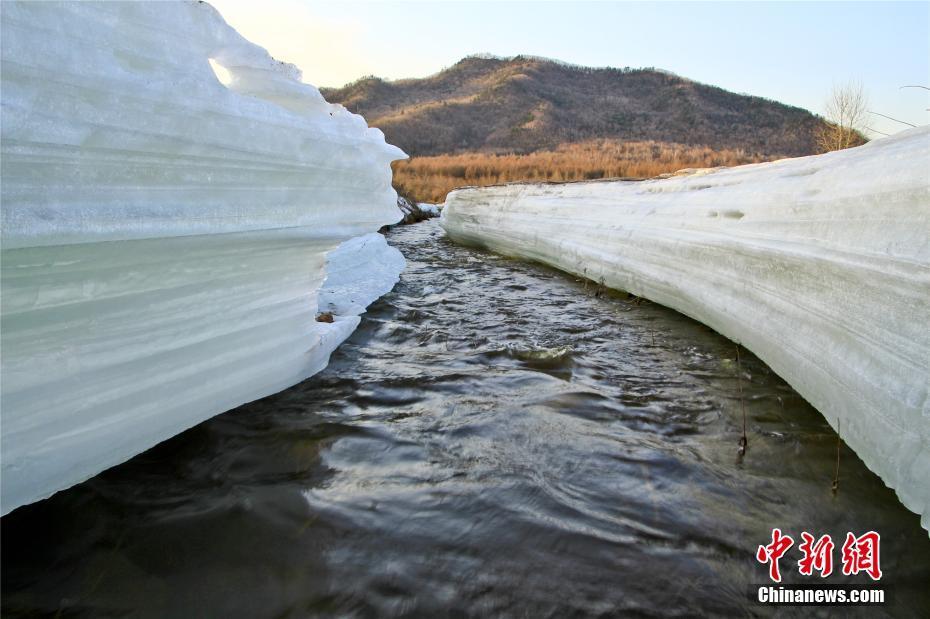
(493, 441)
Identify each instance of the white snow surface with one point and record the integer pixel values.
(164, 236)
(432, 209)
(819, 265)
(358, 272)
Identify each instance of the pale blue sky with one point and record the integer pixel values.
(788, 51)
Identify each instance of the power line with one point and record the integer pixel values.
(890, 118)
(876, 131)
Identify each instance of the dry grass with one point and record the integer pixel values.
(429, 179)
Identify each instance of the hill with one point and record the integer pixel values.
(527, 104)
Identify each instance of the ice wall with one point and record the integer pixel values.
(165, 235)
(819, 265)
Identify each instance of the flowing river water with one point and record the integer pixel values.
(497, 439)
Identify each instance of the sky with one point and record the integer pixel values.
(793, 52)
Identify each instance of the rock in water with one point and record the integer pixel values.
(171, 195)
(819, 265)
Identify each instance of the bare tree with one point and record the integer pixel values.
(845, 113)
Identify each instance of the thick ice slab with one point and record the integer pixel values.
(165, 236)
(819, 265)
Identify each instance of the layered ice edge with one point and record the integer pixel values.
(819, 265)
(172, 197)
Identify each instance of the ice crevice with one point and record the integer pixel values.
(819, 265)
(168, 239)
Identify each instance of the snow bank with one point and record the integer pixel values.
(358, 272)
(819, 265)
(165, 235)
(434, 210)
